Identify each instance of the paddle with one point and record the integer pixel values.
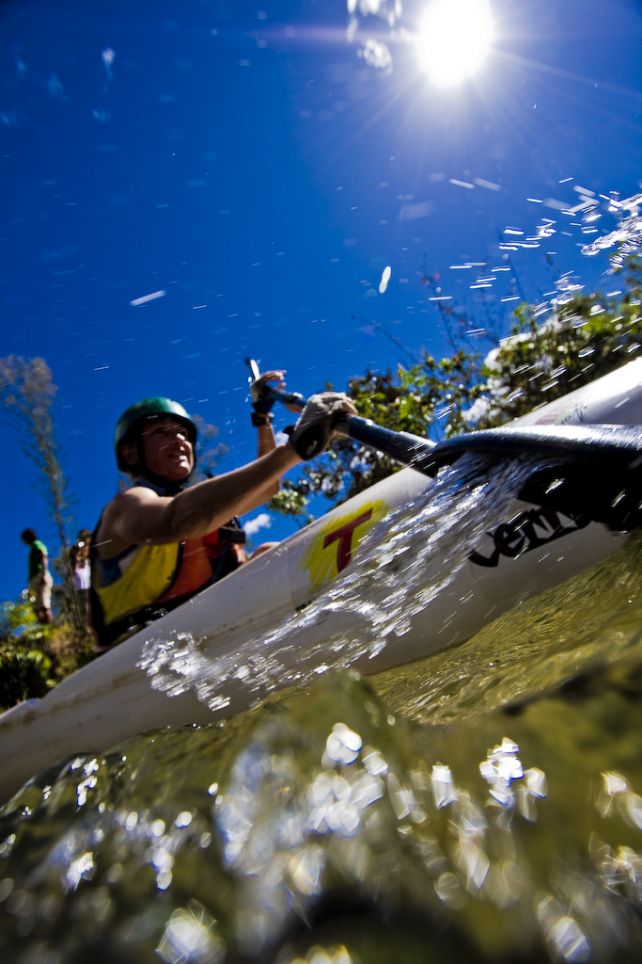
(403, 447)
(596, 470)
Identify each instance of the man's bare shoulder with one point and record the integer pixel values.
(127, 501)
(118, 516)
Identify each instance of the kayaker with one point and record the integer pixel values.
(159, 542)
(39, 578)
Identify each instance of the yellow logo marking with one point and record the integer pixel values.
(332, 548)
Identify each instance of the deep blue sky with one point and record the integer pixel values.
(244, 159)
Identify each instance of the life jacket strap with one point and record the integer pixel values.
(133, 622)
(232, 532)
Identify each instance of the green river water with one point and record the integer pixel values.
(483, 805)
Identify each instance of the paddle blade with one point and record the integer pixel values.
(594, 472)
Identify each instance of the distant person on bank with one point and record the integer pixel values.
(39, 578)
(81, 573)
(161, 541)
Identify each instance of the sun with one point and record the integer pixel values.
(453, 39)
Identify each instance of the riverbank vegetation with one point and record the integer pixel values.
(33, 657)
(551, 350)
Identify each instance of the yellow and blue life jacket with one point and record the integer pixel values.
(146, 581)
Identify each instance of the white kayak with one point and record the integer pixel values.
(153, 679)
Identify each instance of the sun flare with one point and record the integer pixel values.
(453, 39)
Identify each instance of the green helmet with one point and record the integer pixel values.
(133, 417)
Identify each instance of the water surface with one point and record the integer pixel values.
(485, 803)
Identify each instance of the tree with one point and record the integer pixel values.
(207, 457)
(27, 394)
(426, 399)
(582, 338)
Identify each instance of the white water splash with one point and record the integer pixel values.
(388, 10)
(376, 54)
(404, 565)
(627, 235)
(373, 51)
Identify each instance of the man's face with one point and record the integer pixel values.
(167, 449)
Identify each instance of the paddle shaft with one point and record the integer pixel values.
(596, 471)
(403, 447)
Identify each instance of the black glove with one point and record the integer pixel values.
(262, 402)
(319, 418)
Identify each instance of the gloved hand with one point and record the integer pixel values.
(319, 418)
(262, 400)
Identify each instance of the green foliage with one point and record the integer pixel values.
(581, 338)
(24, 674)
(291, 501)
(33, 657)
(425, 399)
(18, 622)
(24, 665)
